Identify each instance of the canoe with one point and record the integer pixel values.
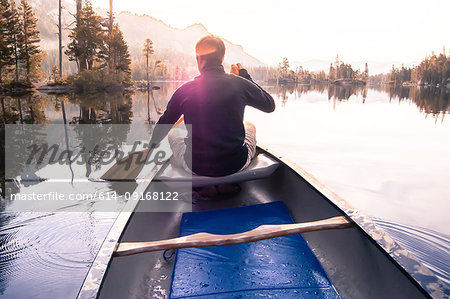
(361, 262)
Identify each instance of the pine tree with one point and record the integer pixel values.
(366, 72)
(123, 60)
(285, 64)
(114, 53)
(147, 52)
(14, 31)
(82, 66)
(6, 48)
(332, 73)
(86, 38)
(284, 68)
(28, 41)
(55, 74)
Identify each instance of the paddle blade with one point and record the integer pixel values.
(127, 168)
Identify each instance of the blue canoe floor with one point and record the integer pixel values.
(283, 267)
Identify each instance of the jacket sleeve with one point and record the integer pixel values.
(255, 95)
(171, 115)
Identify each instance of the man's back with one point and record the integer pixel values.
(213, 104)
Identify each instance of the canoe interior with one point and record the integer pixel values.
(356, 265)
(283, 267)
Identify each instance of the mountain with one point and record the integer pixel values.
(172, 45)
(136, 28)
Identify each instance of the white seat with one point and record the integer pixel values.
(261, 166)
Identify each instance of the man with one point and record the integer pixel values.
(213, 103)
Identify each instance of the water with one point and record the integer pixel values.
(48, 255)
(383, 150)
(384, 155)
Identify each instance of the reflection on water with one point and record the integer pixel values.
(382, 149)
(47, 255)
(429, 100)
(432, 101)
(383, 152)
(127, 108)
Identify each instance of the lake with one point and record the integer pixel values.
(384, 150)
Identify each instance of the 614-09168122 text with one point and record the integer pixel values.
(56, 196)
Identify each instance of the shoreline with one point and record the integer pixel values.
(68, 89)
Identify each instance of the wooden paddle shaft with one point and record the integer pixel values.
(205, 239)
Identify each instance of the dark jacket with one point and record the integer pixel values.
(213, 103)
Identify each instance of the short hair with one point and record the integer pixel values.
(211, 48)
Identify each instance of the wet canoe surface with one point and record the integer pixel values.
(283, 267)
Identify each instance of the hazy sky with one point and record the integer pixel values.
(381, 30)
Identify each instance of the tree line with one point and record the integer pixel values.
(433, 70)
(337, 72)
(20, 56)
(342, 71)
(102, 57)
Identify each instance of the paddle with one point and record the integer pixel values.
(129, 167)
(205, 239)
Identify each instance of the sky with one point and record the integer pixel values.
(379, 30)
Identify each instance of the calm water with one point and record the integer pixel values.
(384, 151)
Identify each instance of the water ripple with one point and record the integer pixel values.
(51, 251)
(431, 248)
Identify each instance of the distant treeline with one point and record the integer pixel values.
(284, 74)
(433, 70)
(98, 57)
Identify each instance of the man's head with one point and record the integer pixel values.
(209, 51)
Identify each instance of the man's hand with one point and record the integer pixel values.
(235, 68)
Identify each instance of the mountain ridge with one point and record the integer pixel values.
(136, 28)
(167, 38)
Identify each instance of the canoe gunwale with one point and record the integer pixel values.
(402, 258)
(94, 278)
